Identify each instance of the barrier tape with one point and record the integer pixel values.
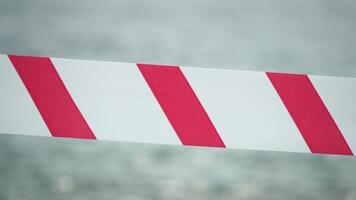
(177, 105)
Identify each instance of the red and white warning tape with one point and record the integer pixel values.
(177, 105)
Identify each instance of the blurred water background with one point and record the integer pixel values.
(315, 37)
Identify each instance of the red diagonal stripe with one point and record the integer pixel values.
(181, 106)
(309, 113)
(51, 97)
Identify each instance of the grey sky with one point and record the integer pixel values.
(299, 36)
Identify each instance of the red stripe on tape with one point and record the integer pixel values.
(51, 97)
(181, 106)
(309, 113)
